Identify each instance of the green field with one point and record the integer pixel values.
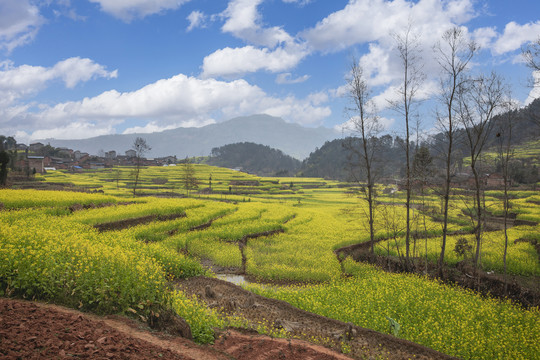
(50, 252)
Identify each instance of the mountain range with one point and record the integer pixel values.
(293, 139)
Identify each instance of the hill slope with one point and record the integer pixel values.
(254, 158)
(292, 139)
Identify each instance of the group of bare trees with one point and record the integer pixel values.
(466, 102)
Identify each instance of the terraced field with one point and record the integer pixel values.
(110, 252)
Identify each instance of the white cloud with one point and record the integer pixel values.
(196, 19)
(243, 20)
(128, 10)
(154, 126)
(535, 91)
(286, 78)
(377, 66)
(297, 2)
(241, 15)
(364, 21)
(374, 22)
(349, 127)
(391, 95)
(19, 23)
(270, 48)
(75, 70)
(484, 36)
(515, 35)
(460, 11)
(177, 101)
(299, 111)
(229, 62)
(24, 80)
(72, 130)
(318, 98)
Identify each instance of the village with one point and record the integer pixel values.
(40, 158)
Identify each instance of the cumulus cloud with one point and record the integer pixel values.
(535, 91)
(19, 23)
(127, 10)
(243, 20)
(72, 130)
(24, 80)
(515, 35)
(270, 48)
(229, 62)
(377, 23)
(484, 36)
(176, 101)
(364, 21)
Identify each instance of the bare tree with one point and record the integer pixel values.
(423, 170)
(505, 153)
(365, 123)
(531, 54)
(478, 100)
(188, 177)
(408, 47)
(453, 55)
(141, 147)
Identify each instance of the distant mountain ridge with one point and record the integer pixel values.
(293, 139)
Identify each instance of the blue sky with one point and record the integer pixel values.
(81, 68)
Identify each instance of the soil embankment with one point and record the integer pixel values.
(363, 343)
(30, 330)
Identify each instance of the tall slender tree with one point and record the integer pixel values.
(141, 147)
(453, 54)
(190, 181)
(408, 47)
(365, 123)
(531, 54)
(422, 172)
(478, 100)
(505, 153)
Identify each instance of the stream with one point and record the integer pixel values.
(232, 278)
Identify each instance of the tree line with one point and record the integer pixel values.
(466, 115)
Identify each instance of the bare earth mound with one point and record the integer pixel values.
(30, 330)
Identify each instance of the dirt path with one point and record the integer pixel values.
(364, 343)
(31, 330)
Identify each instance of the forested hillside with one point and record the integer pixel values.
(254, 158)
(338, 159)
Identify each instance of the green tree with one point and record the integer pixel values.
(7, 156)
(422, 166)
(4, 161)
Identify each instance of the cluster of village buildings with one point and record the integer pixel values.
(32, 157)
